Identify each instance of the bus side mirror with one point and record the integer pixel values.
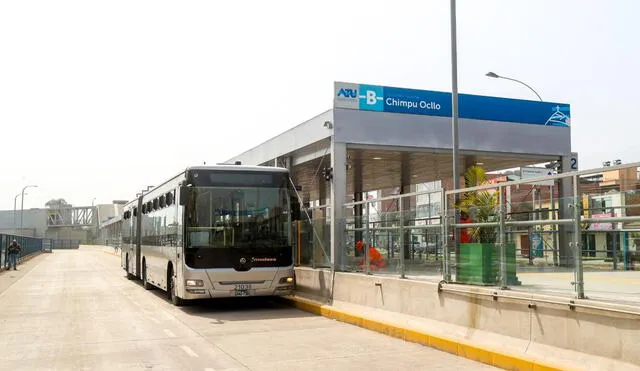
(295, 209)
(184, 191)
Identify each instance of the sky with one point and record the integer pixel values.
(99, 99)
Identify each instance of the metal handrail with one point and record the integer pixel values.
(571, 304)
(427, 226)
(543, 178)
(393, 197)
(621, 219)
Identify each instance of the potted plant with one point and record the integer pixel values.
(479, 261)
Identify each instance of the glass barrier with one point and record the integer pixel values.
(610, 231)
(313, 239)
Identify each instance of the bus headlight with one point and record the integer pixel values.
(196, 283)
(286, 280)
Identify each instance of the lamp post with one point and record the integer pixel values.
(22, 202)
(15, 200)
(454, 134)
(496, 76)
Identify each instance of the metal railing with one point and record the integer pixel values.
(532, 239)
(30, 246)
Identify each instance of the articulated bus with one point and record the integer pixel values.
(213, 231)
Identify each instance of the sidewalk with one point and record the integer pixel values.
(9, 277)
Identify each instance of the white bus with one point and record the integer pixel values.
(213, 231)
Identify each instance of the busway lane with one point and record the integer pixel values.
(76, 310)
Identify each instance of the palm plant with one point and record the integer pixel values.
(481, 206)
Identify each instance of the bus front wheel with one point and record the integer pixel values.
(171, 290)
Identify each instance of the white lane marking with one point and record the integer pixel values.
(188, 350)
(169, 333)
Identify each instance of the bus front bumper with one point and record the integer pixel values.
(203, 293)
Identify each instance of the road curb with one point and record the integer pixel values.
(460, 348)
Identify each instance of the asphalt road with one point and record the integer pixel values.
(75, 310)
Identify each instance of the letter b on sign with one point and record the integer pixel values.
(371, 97)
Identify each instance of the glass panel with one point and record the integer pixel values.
(544, 258)
(355, 236)
(315, 238)
(610, 248)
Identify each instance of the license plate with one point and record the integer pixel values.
(242, 290)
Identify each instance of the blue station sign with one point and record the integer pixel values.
(435, 103)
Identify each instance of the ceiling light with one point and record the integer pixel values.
(377, 158)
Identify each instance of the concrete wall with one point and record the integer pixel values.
(34, 222)
(594, 332)
(69, 233)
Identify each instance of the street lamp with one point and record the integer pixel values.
(15, 200)
(454, 134)
(496, 76)
(22, 203)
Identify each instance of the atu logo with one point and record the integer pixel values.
(348, 93)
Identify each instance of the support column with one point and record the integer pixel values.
(357, 197)
(565, 192)
(406, 207)
(286, 162)
(319, 223)
(338, 196)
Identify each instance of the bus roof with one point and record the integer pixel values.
(233, 167)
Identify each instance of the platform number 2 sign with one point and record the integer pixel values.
(573, 161)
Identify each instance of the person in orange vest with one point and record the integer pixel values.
(376, 261)
(465, 236)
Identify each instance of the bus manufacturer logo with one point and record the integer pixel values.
(243, 260)
(263, 259)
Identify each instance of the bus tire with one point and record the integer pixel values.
(145, 283)
(171, 290)
(129, 275)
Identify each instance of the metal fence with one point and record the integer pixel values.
(30, 246)
(33, 245)
(575, 234)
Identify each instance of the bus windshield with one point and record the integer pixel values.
(237, 217)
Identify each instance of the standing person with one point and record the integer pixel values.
(13, 249)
